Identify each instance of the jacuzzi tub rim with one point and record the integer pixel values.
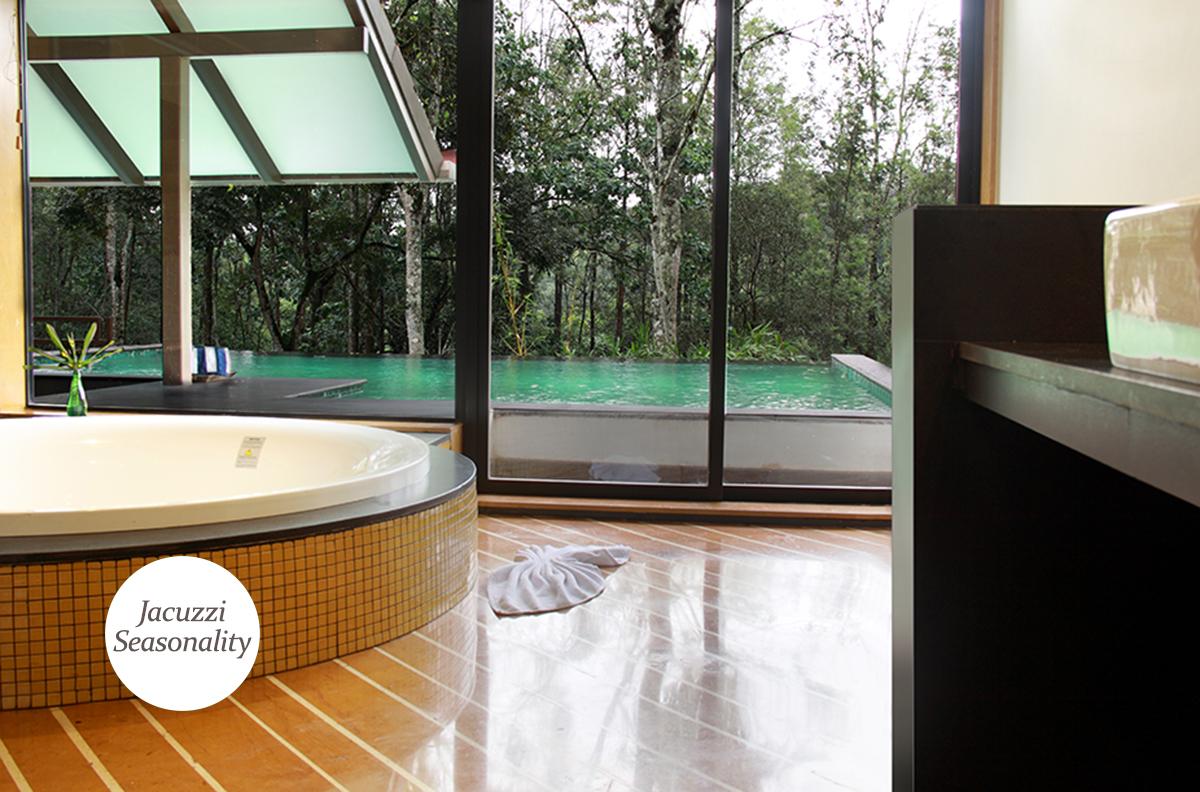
(450, 474)
(247, 501)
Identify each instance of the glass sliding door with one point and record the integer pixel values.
(323, 205)
(624, 310)
(843, 116)
(601, 287)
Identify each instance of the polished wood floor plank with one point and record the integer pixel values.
(656, 551)
(130, 747)
(413, 738)
(410, 781)
(836, 599)
(687, 674)
(692, 673)
(44, 754)
(804, 543)
(720, 657)
(744, 590)
(238, 754)
(522, 717)
(541, 684)
(845, 534)
(11, 777)
(337, 756)
(632, 595)
(649, 538)
(691, 590)
(699, 510)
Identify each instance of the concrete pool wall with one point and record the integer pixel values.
(588, 442)
(643, 444)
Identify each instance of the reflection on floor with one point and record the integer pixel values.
(723, 658)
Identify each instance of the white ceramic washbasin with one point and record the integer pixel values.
(1152, 289)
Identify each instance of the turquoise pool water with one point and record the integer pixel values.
(750, 385)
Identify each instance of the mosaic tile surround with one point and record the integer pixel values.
(318, 597)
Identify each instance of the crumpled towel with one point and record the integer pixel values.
(546, 578)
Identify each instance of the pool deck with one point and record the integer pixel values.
(295, 397)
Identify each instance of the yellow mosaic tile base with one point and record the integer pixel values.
(318, 597)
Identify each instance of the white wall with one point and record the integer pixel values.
(1099, 101)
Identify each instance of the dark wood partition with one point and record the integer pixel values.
(1042, 599)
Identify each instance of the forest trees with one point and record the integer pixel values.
(675, 112)
(603, 175)
(819, 176)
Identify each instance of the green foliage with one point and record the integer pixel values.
(515, 303)
(641, 344)
(72, 356)
(763, 342)
(821, 164)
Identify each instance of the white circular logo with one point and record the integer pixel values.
(182, 633)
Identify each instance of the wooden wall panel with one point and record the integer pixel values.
(989, 155)
(1038, 595)
(12, 254)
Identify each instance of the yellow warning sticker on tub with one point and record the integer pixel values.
(249, 452)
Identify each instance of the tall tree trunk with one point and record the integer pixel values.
(670, 116)
(592, 306)
(351, 318)
(415, 200)
(736, 89)
(558, 309)
(415, 203)
(666, 253)
(270, 309)
(124, 266)
(381, 316)
(583, 304)
(207, 298)
(619, 324)
(110, 259)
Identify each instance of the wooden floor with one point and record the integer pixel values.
(720, 657)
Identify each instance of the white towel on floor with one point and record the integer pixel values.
(546, 578)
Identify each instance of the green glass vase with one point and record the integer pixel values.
(77, 400)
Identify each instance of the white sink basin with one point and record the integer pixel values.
(1152, 289)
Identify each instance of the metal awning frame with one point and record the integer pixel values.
(183, 51)
(370, 34)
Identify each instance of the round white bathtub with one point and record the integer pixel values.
(120, 473)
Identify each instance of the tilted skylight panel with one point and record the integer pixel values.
(92, 17)
(216, 15)
(58, 148)
(321, 114)
(281, 91)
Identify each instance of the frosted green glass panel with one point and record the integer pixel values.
(318, 114)
(92, 17)
(209, 15)
(57, 147)
(215, 150)
(124, 93)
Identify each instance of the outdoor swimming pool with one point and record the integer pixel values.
(774, 386)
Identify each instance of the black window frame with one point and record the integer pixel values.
(473, 276)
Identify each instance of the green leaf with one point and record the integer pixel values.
(87, 339)
(50, 331)
(101, 355)
(46, 366)
(109, 344)
(45, 354)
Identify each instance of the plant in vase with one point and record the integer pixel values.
(74, 358)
